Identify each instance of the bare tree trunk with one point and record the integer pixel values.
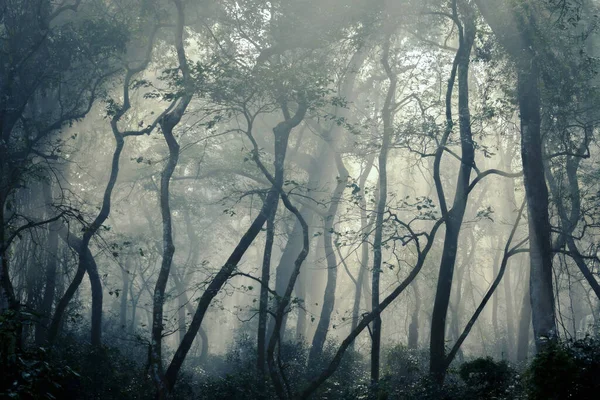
(510, 324)
(524, 327)
(168, 123)
(329, 296)
(50, 278)
(282, 133)
(302, 294)
(365, 227)
(167, 258)
(456, 213)
(388, 128)
(413, 328)
(456, 306)
(125, 272)
(86, 260)
(508, 252)
(185, 302)
(369, 317)
(495, 326)
(514, 33)
(264, 293)
(8, 300)
(294, 246)
(536, 191)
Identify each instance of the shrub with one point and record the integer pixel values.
(565, 370)
(488, 379)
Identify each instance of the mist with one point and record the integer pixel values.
(299, 199)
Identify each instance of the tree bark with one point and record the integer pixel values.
(42, 325)
(168, 251)
(524, 327)
(536, 191)
(125, 273)
(413, 328)
(456, 213)
(365, 227)
(329, 297)
(388, 131)
(264, 293)
(514, 33)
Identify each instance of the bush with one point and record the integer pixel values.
(29, 373)
(565, 370)
(487, 379)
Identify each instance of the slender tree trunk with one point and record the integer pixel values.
(168, 124)
(282, 132)
(510, 324)
(498, 337)
(508, 252)
(330, 288)
(264, 293)
(413, 328)
(294, 246)
(509, 190)
(181, 288)
(168, 252)
(301, 294)
(8, 300)
(524, 327)
(388, 128)
(456, 213)
(86, 259)
(50, 276)
(124, 294)
(365, 227)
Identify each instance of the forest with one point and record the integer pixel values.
(299, 199)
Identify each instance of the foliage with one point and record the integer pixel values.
(486, 378)
(236, 377)
(29, 373)
(565, 370)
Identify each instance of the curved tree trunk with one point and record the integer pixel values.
(329, 296)
(86, 259)
(456, 213)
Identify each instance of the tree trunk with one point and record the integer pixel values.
(330, 288)
(125, 272)
(536, 191)
(524, 327)
(282, 132)
(413, 328)
(388, 130)
(42, 325)
(365, 227)
(514, 33)
(264, 293)
(454, 216)
(181, 288)
(158, 300)
(498, 338)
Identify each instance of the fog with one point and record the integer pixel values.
(299, 199)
